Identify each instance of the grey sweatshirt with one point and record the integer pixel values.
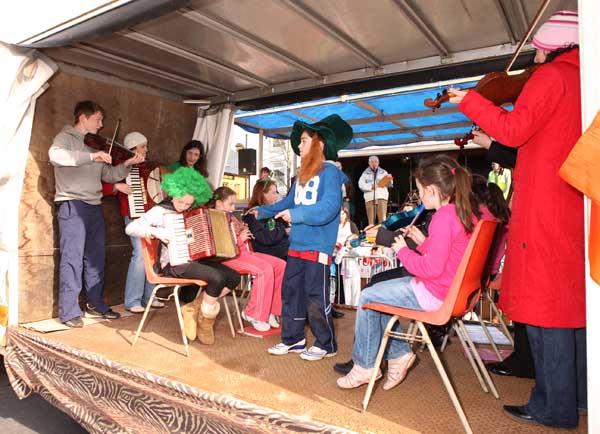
(76, 176)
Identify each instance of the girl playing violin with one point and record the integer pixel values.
(544, 274)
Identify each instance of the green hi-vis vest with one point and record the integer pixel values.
(502, 180)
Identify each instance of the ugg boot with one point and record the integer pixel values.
(189, 312)
(206, 321)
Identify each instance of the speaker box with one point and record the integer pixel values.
(246, 161)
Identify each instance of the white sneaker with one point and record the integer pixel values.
(157, 304)
(261, 326)
(136, 309)
(281, 348)
(273, 321)
(315, 353)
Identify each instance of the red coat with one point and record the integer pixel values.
(544, 277)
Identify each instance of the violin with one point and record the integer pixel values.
(498, 87)
(100, 143)
(402, 218)
(393, 223)
(120, 152)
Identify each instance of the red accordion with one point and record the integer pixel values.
(200, 233)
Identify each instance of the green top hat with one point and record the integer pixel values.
(335, 131)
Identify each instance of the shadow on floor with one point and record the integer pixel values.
(31, 415)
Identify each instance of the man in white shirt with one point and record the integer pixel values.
(376, 198)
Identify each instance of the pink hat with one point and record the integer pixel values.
(560, 30)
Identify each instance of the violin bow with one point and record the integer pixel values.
(528, 33)
(114, 136)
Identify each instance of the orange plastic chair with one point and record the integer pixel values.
(149, 251)
(462, 295)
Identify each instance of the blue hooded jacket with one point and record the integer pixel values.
(314, 209)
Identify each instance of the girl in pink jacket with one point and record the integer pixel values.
(267, 271)
(446, 187)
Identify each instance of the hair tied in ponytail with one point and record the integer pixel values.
(453, 170)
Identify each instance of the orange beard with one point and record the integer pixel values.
(312, 164)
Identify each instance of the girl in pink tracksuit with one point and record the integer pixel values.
(267, 271)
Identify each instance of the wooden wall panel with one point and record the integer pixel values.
(167, 124)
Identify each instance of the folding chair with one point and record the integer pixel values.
(462, 294)
(245, 287)
(149, 251)
(495, 285)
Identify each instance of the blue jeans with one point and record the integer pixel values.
(370, 325)
(137, 288)
(559, 356)
(82, 237)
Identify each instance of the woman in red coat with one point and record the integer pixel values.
(544, 277)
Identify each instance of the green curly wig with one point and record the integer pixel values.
(187, 180)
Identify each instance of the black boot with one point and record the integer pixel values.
(337, 313)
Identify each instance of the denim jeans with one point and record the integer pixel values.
(370, 325)
(559, 356)
(82, 236)
(137, 288)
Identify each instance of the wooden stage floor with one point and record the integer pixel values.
(243, 369)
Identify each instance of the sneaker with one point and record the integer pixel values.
(397, 370)
(273, 321)
(137, 309)
(357, 377)
(157, 304)
(315, 353)
(261, 326)
(281, 349)
(92, 312)
(75, 323)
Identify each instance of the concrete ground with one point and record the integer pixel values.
(33, 415)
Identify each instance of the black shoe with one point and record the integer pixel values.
(337, 313)
(500, 369)
(344, 368)
(93, 313)
(75, 323)
(519, 413)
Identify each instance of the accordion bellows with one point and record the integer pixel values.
(200, 233)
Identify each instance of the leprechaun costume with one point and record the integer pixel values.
(315, 214)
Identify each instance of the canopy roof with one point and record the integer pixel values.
(384, 118)
(252, 51)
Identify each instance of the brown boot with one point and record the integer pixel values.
(189, 312)
(206, 322)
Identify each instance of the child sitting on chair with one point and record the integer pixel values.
(267, 270)
(186, 188)
(445, 186)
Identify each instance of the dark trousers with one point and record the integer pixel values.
(216, 275)
(559, 356)
(520, 362)
(82, 253)
(305, 293)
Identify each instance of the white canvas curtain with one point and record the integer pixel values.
(23, 78)
(213, 128)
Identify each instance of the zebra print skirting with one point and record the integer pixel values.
(108, 397)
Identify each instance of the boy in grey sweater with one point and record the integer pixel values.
(79, 171)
